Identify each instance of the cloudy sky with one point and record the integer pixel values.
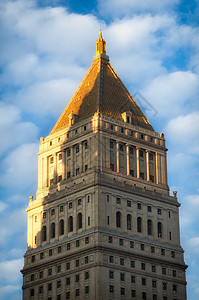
(46, 48)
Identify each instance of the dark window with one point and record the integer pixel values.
(164, 286)
(61, 227)
(122, 130)
(154, 284)
(67, 266)
(70, 224)
(112, 167)
(174, 273)
(84, 128)
(77, 292)
(52, 230)
(41, 289)
(86, 240)
(132, 172)
(86, 275)
(149, 208)
(118, 219)
(86, 260)
(50, 287)
(43, 233)
(159, 211)
(108, 220)
(150, 156)
(112, 127)
(50, 272)
(121, 147)
(131, 244)
(77, 243)
(67, 295)
(58, 283)
(111, 288)
(59, 179)
(142, 247)
(121, 242)
(143, 281)
(32, 277)
(107, 198)
(77, 263)
(139, 205)
(132, 133)
(77, 278)
(132, 279)
(164, 271)
(52, 212)
(151, 178)
(32, 292)
(79, 201)
(110, 239)
(50, 252)
(111, 274)
(121, 261)
(59, 297)
(61, 208)
(77, 171)
(59, 269)
(44, 215)
(86, 168)
(163, 252)
(141, 153)
(149, 227)
(111, 259)
(76, 131)
(153, 269)
(79, 221)
(175, 288)
(68, 152)
(122, 275)
(144, 295)
(86, 289)
(59, 249)
(152, 249)
(142, 175)
(170, 235)
(173, 254)
(122, 291)
(132, 264)
(133, 293)
(139, 224)
(68, 175)
(41, 274)
(111, 144)
(51, 160)
(127, 119)
(131, 150)
(70, 205)
(77, 149)
(118, 200)
(68, 246)
(41, 255)
(128, 203)
(143, 266)
(159, 229)
(68, 281)
(142, 136)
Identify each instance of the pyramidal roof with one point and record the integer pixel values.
(102, 91)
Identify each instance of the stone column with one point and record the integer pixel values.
(63, 164)
(72, 161)
(127, 160)
(55, 168)
(163, 171)
(107, 153)
(138, 161)
(118, 156)
(157, 167)
(147, 165)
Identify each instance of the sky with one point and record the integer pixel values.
(46, 49)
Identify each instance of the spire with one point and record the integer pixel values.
(100, 45)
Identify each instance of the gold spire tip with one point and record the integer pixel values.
(100, 45)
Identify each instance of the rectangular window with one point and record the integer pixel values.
(50, 252)
(122, 291)
(67, 266)
(32, 292)
(122, 130)
(50, 272)
(58, 284)
(77, 263)
(143, 281)
(41, 289)
(144, 295)
(132, 133)
(132, 279)
(163, 252)
(159, 211)
(44, 215)
(110, 239)
(121, 242)
(111, 274)
(132, 172)
(85, 128)
(107, 198)
(70, 205)
(174, 273)
(67, 295)
(77, 278)
(154, 284)
(86, 260)
(86, 289)
(112, 167)
(89, 221)
(132, 264)
(111, 126)
(150, 156)
(68, 175)
(142, 266)
(121, 261)
(77, 149)
(111, 259)
(129, 203)
(86, 275)
(41, 274)
(86, 168)
(108, 221)
(149, 208)
(118, 200)
(52, 212)
(164, 272)
(131, 150)
(173, 254)
(139, 206)
(59, 269)
(59, 249)
(68, 246)
(77, 292)
(175, 288)
(164, 286)
(77, 171)
(111, 288)
(59, 179)
(141, 153)
(142, 247)
(86, 240)
(61, 208)
(32, 277)
(142, 175)
(59, 297)
(77, 243)
(131, 244)
(151, 178)
(133, 293)
(79, 201)
(50, 287)
(68, 152)
(152, 249)
(122, 276)
(68, 281)
(121, 147)
(41, 255)
(111, 144)
(51, 160)
(153, 269)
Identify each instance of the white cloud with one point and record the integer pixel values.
(12, 130)
(3, 206)
(10, 270)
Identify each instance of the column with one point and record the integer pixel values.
(72, 161)
(163, 169)
(118, 156)
(107, 153)
(55, 168)
(147, 165)
(157, 167)
(81, 157)
(63, 164)
(127, 160)
(138, 161)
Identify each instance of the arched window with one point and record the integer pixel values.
(139, 224)
(61, 227)
(43, 234)
(149, 227)
(70, 224)
(79, 221)
(52, 230)
(159, 229)
(118, 219)
(128, 222)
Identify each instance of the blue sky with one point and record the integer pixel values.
(46, 48)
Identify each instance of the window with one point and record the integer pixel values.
(86, 260)
(150, 156)
(44, 215)
(111, 259)
(68, 281)
(128, 222)
(58, 284)
(32, 292)
(67, 295)
(170, 235)
(159, 211)
(77, 171)
(111, 126)
(110, 239)
(118, 200)
(111, 144)
(50, 252)
(77, 263)
(59, 249)
(132, 133)
(111, 274)
(143, 266)
(85, 128)
(175, 288)
(122, 291)
(121, 147)
(70, 205)
(77, 292)
(159, 229)
(111, 288)
(61, 227)
(79, 221)
(43, 234)
(52, 212)
(50, 287)
(86, 240)
(152, 249)
(139, 205)
(77, 243)
(35, 219)
(164, 272)
(122, 130)
(51, 160)
(131, 244)
(141, 136)
(149, 208)
(61, 208)
(79, 202)
(32, 277)
(41, 275)
(70, 224)
(149, 227)
(174, 273)
(141, 153)
(153, 269)
(86, 289)
(77, 278)
(131, 150)
(41, 289)
(173, 254)
(112, 167)
(129, 203)
(50, 272)
(86, 168)
(132, 279)
(118, 219)
(121, 261)
(122, 275)
(121, 242)
(108, 220)
(163, 252)
(67, 266)
(164, 286)
(68, 175)
(132, 264)
(59, 297)
(107, 198)
(68, 246)
(86, 275)
(52, 230)
(133, 293)
(151, 178)
(68, 152)
(144, 295)
(41, 255)
(58, 268)
(142, 175)
(169, 213)
(132, 172)
(128, 119)
(154, 284)
(142, 247)
(139, 224)
(77, 149)
(143, 281)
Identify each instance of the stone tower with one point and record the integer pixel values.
(103, 225)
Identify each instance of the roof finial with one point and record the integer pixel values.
(100, 45)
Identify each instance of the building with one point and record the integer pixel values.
(103, 225)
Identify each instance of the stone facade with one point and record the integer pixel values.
(103, 225)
